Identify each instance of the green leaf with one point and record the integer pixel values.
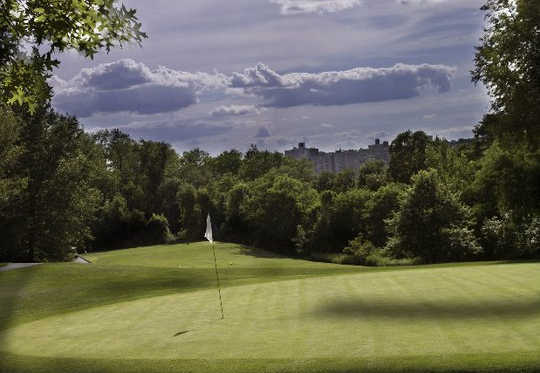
(18, 96)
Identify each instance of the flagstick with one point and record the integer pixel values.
(217, 279)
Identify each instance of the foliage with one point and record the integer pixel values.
(256, 163)
(157, 230)
(275, 206)
(508, 181)
(358, 250)
(431, 223)
(372, 175)
(407, 155)
(506, 62)
(49, 27)
(454, 167)
(380, 207)
(502, 237)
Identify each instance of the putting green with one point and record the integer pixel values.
(406, 313)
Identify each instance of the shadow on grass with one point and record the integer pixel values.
(12, 285)
(259, 253)
(374, 308)
(462, 363)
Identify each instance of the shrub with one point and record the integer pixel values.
(157, 230)
(529, 238)
(358, 250)
(503, 238)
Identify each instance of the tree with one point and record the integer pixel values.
(191, 219)
(12, 184)
(58, 204)
(256, 163)
(194, 167)
(454, 168)
(380, 207)
(227, 162)
(342, 217)
(507, 63)
(49, 27)
(276, 205)
(344, 181)
(372, 175)
(325, 181)
(507, 182)
(431, 223)
(408, 155)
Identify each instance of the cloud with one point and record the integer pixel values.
(234, 110)
(179, 131)
(420, 2)
(291, 7)
(126, 85)
(262, 133)
(129, 86)
(359, 85)
(294, 7)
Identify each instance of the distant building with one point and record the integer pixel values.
(341, 159)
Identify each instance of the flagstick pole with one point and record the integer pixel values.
(217, 280)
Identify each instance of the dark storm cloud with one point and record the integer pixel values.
(126, 85)
(145, 99)
(357, 85)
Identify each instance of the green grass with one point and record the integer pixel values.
(122, 314)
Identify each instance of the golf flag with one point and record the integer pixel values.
(208, 234)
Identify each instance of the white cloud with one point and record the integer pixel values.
(420, 2)
(293, 7)
(129, 86)
(126, 85)
(290, 7)
(234, 110)
(359, 85)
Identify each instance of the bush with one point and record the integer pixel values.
(381, 258)
(503, 238)
(529, 238)
(498, 236)
(358, 250)
(157, 230)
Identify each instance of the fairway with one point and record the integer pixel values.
(285, 310)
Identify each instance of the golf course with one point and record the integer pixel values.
(156, 309)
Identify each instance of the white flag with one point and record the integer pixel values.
(208, 233)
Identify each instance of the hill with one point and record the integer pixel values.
(155, 309)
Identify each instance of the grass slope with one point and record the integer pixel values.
(124, 312)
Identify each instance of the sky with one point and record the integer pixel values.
(219, 75)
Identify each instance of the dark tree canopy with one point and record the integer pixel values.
(408, 155)
(508, 64)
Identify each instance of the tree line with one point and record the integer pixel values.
(62, 188)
